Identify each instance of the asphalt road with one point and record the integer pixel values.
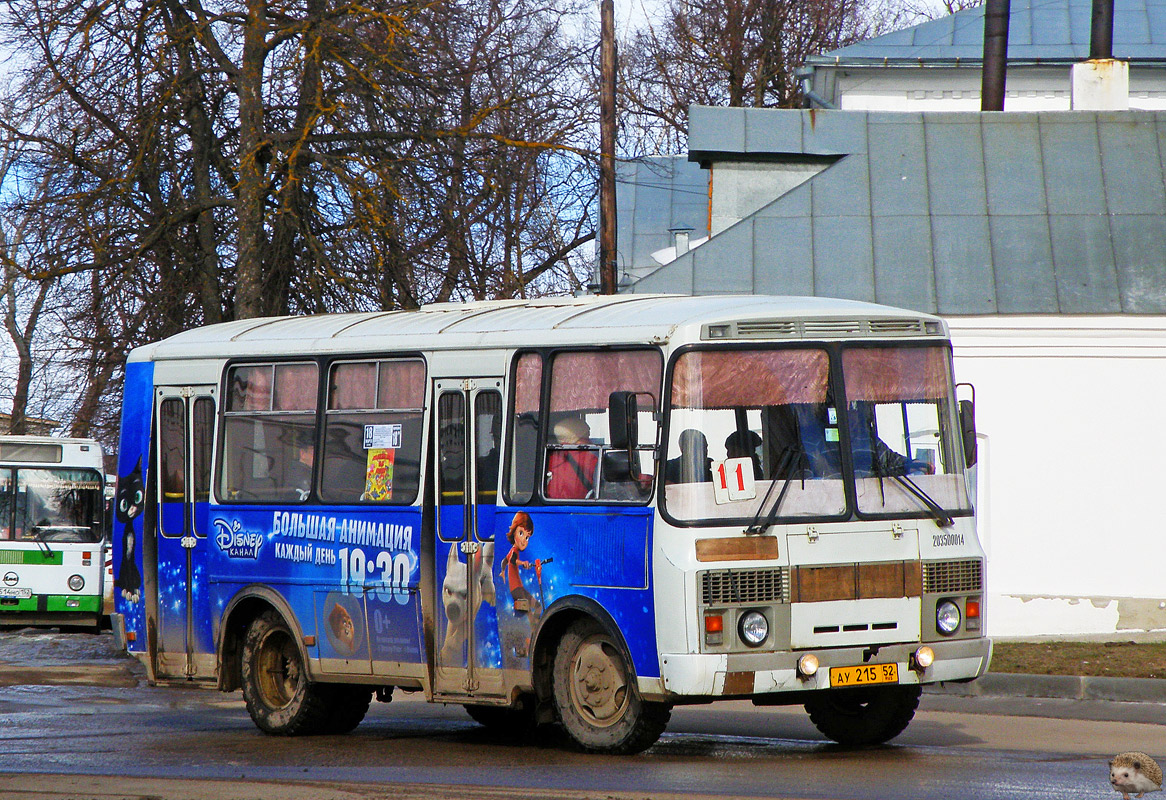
(81, 740)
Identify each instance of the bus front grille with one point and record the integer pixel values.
(953, 577)
(729, 587)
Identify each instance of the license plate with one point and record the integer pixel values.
(864, 675)
(12, 591)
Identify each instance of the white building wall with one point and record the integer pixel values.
(958, 89)
(1073, 473)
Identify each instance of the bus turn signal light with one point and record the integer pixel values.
(714, 629)
(972, 613)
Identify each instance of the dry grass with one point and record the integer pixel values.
(1103, 659)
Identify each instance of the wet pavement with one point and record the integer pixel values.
(113, 736)
(48, 657)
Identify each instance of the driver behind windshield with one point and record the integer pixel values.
(873, 458)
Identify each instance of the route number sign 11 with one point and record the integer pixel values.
(733, 480)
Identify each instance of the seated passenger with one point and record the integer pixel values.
(571, 472)
(744, 444)
(298, 470)
(693, 465)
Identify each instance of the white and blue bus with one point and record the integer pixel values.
(573, 510)
(52, 532)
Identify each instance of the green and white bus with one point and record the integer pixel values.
(52, 542)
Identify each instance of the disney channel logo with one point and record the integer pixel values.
(234, 542)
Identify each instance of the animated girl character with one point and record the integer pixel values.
(521, 529)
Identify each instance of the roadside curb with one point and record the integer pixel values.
(1070, 687)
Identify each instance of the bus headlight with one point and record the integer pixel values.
(753, 628)
(947, 617)
(76, 583)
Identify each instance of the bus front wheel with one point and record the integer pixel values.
(863, 716)
(596, 697)
(279, 697)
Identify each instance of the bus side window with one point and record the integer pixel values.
(172, 435)
(7, 503)
(269, 433)
(581, 461)
(451, 449)
(372, 431)
(526, 413)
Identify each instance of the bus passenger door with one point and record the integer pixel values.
(468, 429)
(186, 424)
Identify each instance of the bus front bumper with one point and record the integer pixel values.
(745, 674)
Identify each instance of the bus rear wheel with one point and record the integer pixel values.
(279, 697)
(863, 716)
(596, 697)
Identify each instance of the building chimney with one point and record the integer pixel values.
(996, 13)
(1101, 30)
(1101, 83)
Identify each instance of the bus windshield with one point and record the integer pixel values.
(766, 432)
(50, 505)
(902, 426)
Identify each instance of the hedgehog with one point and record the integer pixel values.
(1134, 772)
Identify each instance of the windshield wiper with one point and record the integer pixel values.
(42, 542)
(881, 466)
(787, 457)
(942, 518)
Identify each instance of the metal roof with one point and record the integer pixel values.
(950, 213)
(502, 323)
(1038, 31)
(653, 197)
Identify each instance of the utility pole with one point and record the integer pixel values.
(607, 272)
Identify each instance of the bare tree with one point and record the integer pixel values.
(27, 278)
(204, 160)
(726, 52)
(917, 11)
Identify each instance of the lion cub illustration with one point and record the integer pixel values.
(343, 628)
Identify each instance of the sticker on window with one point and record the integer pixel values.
(378, 475)
(733, 480)
(382, 437)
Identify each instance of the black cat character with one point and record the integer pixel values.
(130, 501)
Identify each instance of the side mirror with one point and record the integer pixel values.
(623, 423)
(623, 420)
(968, 429)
